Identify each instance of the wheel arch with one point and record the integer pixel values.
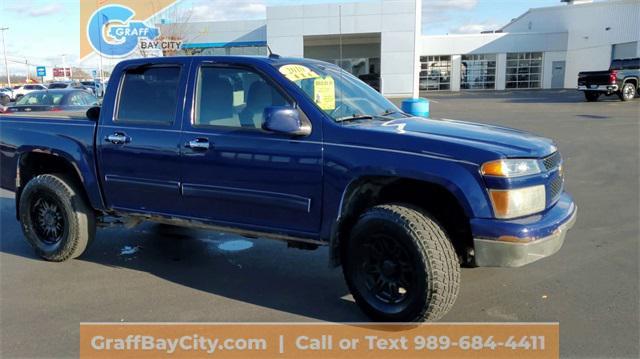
(437, 198)
(33, 163)
(634, 80)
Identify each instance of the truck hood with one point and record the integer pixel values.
(506, 142)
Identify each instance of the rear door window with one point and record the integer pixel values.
(631, 64)
(149, 94)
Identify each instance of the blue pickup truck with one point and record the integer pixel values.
(295, 150)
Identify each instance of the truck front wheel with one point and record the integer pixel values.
(400, 266)
(56, 220)
(591, 96)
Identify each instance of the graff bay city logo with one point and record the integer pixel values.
(116, 28)
(113, 33)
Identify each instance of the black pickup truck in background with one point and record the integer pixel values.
(621, 79)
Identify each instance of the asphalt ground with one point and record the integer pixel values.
(162, 274)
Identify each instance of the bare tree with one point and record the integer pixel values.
(174, 31)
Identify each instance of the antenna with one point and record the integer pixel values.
(340, 32)
(271, 54)
(340, 63)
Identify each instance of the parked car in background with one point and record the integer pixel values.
(621, 79)
(22, 90)
(69, 85)
(54, 100)
(5, 99)
(95, 86)
(5, 96)
(7, 91)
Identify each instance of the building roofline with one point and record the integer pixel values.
(496, 34)
(515, 19)
(567, 6)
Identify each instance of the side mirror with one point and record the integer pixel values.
(93, 113)
(285, 120)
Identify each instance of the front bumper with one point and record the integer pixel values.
(514, 243)
(599, 88)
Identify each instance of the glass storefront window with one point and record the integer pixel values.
(478, 72)
(435, 73)
(222, 51)
(524, 70)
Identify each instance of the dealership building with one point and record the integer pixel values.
(542, 48)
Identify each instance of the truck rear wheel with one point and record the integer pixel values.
(56, 220)
(591, 96)
(628, 92)
(400, 266)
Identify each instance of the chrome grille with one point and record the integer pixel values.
(552, 161)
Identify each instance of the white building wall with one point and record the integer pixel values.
(500, 44)
(397, 21)
(582, 35)
(592, 30)
(493, 43)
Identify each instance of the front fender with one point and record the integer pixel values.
(343, 171)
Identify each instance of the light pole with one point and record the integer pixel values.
(4, 52)
(64, 66)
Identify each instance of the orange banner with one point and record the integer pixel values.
(280, 340)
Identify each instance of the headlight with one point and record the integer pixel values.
(515, 167)
(512, 203)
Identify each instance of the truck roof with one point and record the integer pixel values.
(271, 60)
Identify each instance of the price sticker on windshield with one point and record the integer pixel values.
(324, 93)
(297, 72)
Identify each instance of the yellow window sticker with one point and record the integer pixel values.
(297, 72)
(324, 93)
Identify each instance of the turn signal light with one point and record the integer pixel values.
(519, 202)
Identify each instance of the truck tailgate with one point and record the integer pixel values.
(593, 78)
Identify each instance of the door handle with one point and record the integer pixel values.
(118, 138)
(198, 144)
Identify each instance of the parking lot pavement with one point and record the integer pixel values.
(158, 273)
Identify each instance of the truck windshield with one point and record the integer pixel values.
(339, 94)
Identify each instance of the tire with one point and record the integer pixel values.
(591, 96)
(628, 92)
(56, 219)
(410, 251)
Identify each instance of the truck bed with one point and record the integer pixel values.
(45, 132)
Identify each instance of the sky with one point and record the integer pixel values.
(46, 32)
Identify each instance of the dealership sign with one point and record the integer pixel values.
(116, 28)
(61, 72)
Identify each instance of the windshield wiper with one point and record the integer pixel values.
(354, 117)
(392, 112)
